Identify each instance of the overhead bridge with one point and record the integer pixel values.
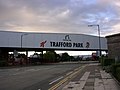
(23, 41)
(50, 41)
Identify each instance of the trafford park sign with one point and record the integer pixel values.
(67, 42)
(52, 41)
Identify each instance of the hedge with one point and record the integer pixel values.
(114, 69)
(118, 73)
(107, 61)
(3, 63)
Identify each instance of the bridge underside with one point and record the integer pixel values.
(4, 52)
(11, 49)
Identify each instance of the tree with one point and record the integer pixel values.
(49, 56)
(72, 58)
(65, 57)
(58, 57)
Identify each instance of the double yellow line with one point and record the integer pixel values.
(77, 70)
(58, 84)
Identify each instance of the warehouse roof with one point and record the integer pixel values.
(118, 34)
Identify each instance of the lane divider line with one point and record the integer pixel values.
(56, 80)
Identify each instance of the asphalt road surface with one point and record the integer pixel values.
(35, 77)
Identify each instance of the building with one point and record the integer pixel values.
(113, 42)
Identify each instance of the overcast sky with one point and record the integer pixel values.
(60, 16)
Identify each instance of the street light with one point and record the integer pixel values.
(98, 27)
(22, 38)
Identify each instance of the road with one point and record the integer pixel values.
(35, 77)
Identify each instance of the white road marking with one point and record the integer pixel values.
(18, 73)
(30, 70)
(56, 80)
(93, 64)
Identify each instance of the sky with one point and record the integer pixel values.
(60, 16)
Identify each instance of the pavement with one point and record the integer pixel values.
(92, 77)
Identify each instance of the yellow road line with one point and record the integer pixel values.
(66, 79)
(58, 84)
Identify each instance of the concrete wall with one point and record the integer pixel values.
(113, 42)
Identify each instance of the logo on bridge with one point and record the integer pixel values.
(87, 44)
(67, 38)
(42, 44)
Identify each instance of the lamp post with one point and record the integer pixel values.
(98, 27)
(22, 38)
